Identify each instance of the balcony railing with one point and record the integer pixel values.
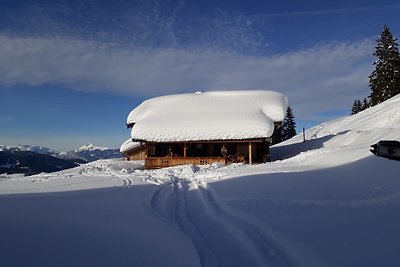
(161, 162)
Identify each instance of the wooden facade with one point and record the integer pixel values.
(138, 153)
(166, 154)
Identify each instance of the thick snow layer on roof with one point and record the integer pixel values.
(128, 145)
(218, 115)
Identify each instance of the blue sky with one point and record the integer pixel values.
(70, 71)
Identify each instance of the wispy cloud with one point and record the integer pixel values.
(154, 49)
(141, 23)
(351, 10)
(319, 78)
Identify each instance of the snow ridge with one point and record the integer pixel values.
(87, 153)
(91, 147)
(36, 149)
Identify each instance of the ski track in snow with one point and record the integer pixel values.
(220, 238)
(127, 182)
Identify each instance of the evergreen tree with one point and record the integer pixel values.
(365, 104)
(289, 125)
(354, 109)
(384, 81)
(357, 107)
(277, 136)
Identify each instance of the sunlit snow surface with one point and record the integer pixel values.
(325, 202)
(218, 115)
(128, 145)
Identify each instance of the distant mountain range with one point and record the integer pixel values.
(90, 153)
(36, 159)
(36, 149)
(30, 163)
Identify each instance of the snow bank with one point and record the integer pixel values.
(219, 115)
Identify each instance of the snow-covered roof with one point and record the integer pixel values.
(216, 115)
(128, 145)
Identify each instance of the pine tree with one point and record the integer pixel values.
(365, 104)
(359, 105)
(289, 125)
(354, 109)
(384, 81)
(277, 136)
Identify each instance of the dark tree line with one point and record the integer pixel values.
(287, 130)
(384, 80)
(359, 105)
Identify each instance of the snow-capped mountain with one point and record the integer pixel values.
(34, 159)
(36, 149)
(88, 152)
(91, 147)
(91, 152)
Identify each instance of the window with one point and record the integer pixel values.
(152, 151)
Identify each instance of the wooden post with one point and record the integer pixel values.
(250, 154)
(304, 135)
(184, 150)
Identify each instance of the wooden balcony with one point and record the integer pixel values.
(161, 162)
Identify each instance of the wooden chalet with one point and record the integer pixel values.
(196, 129)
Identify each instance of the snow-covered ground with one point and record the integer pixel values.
(325, 202)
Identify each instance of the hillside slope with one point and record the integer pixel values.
(346, 139)
(325, 202)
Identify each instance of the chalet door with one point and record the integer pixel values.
(242, 152)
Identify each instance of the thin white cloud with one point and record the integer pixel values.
(141, 23)
(334, 11)
(316, 79)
